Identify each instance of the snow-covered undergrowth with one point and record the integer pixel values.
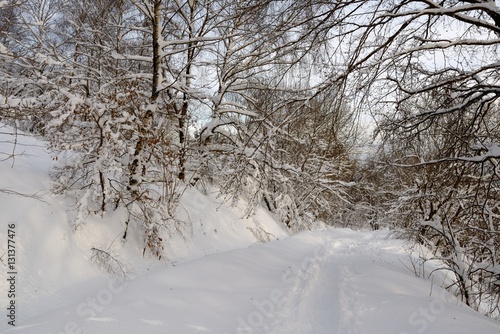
(51, 255)
(218, 278)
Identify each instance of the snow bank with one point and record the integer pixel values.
(219, 278)
(52, 258)
(324, 282)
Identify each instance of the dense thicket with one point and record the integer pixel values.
(263, 99)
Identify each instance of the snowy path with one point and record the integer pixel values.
(322, 301)
(324, 282)
(336, 281)
(354, 283)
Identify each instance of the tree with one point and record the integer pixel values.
(428, 73)
(274, 138)
(116, 144)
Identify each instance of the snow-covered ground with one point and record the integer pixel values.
(218, 279)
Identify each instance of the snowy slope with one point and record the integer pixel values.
(334, 281)
(52, 259)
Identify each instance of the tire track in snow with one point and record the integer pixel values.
(322, 299)
(348, 305)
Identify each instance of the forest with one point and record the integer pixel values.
(362, 114)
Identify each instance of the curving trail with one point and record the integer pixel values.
(335, 281)
(325, 302)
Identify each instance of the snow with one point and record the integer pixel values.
(3, 48)
(492, 152)
(220, 278)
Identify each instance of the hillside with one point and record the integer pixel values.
(220, 278)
